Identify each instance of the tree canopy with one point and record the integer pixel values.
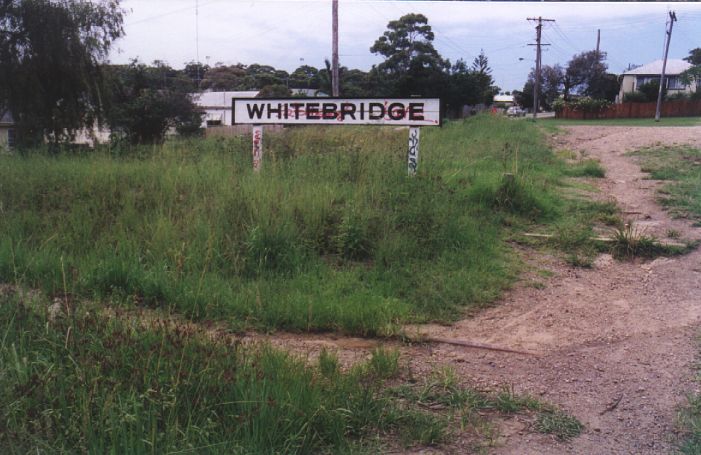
(144, 101)
(50, 56)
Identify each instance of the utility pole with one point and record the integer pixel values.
(197, 40)
(536, 87)
(598, 40)
(334, 50)
(668, 38)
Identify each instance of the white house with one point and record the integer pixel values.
(651, 72)
(7, 130)
(217, 106)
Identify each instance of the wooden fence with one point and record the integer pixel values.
(681, 108)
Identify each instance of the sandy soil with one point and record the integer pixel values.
(621, 332)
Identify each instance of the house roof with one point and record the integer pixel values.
(503, 98)
(309, 92)
(674, 66)
(220, 99)
(6, 118)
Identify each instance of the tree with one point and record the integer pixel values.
(305, 77)
(146, 100)
(551, 86)
(222, 78)
(412, 65)
(694, 56)
(196, 72)
(586, 74)
(693, 74)
(51, 52)
(482, 74)
(274, 91)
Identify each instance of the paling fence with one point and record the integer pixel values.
(680, 108)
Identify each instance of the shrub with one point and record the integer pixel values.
(587, 104)
(635, 97)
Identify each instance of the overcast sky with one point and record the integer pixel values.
(288, 33)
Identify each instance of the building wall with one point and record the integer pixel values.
(3, 137)
(629, 84)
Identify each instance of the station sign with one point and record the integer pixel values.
(413, 112)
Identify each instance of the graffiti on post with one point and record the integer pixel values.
(257, 147)
(413, 155)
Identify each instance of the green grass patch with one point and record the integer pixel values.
(331, 235)
(664, 121)
(587, 168)
(86, 383)
(682, 166)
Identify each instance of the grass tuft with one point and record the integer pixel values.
(587, 168)
(558, 424)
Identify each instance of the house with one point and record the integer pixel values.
(634, 78)
(217, 106)
(7, 130)
(308, 93)
(504, 100)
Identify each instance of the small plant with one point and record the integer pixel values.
(328, 363)
(384, 363)
(508, 401)
(632, 242)
(673, 234)
(559, 424)
(587, 168)
(352, 240)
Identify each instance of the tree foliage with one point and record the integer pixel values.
(145, 101)
(413, 66)
(50, 57)
(586, 74)
(694, 56)
(551, 86)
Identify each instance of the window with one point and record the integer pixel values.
(674, 83)
(642, 80)
(11, 137)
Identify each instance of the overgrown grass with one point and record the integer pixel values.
(85, 383)
(682, 166)
(79, 381)
(331, 235)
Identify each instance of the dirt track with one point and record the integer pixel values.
(620, 332)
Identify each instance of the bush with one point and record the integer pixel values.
(635, 97)
(585, 104)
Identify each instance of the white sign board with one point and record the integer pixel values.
(337, 111)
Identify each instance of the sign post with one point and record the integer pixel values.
(257, 147)
(411, 112)
(413, 155)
